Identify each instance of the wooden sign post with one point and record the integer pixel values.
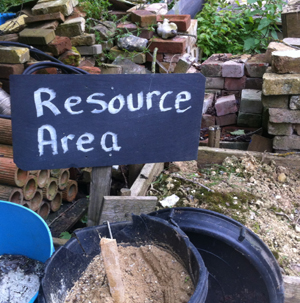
(61, 121)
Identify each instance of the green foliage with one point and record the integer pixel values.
(96, 9)
(243, 28)
(6, 4)
(65, 235)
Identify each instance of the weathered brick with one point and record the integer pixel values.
(10, 37)
(13, 25)
(286, 62)
(184, 64)
(207, 102)
(143, 18)
(89, 61)
(286, 84)
(275, 101)
(214, 82)
(175, 45)
(46, 17)
(237, 93)
(138, 58)
(248, 119)
(44, 25)
(292, 41)
(235, 83)
(286, 142)
(12, 54)
(170, 67)
(36, 36)
(90, 50)
(254, 83)
(294, 102)
(226, 105)
(232, 69)
(111, 69)
(256, 66)
(92, 69)
(159, 57)
(251, 101)
(212, 67)
(183, 22)
(106, 30)
(281, 115)
(84, 39)
(10, 69)
(275, 46)
(226, 120)
(280, 129)
(63, 6)
(126, 27)
(71, 28)
(207, 121)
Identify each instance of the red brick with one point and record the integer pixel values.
(159, 57)
(173, 46)
(92, 69)
(207, 121)
(212, 67)
(10, 69)
(183, 22)
(226, 119)
(143, 18)
(58, 46)
(47, 17)
(235, 83)
(226, 105)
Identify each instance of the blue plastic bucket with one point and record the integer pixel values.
(23, 232)
(6, 16)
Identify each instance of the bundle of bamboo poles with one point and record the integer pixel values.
(40, 190)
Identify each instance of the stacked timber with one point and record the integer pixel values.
(40, 190)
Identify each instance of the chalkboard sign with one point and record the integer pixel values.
(61, 121)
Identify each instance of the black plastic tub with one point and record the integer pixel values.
(66, 265)
(241, 267)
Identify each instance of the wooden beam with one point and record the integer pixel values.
(99, 187)
(118, 208)
(148, 173)
(291, 289)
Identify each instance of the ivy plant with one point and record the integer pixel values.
(241, 28)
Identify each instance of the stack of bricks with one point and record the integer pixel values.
(235, 81)
(281, 97)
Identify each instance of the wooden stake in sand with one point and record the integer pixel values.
(109, 250)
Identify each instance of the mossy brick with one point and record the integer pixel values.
(71, 57)
(175, 45)
(207, 121)
(226, 105)
(64, 6)
(291, 142)
(36, 36)
(46, 17)
(251, 101)
(214, 82)
(111, 69)
(235, 83)
(10, 69)
(232, 69)
(280, 129)
(183, 22)
(229, 119)
(284, 84)
(286, 62)
(84, 39)
(143, 18)
(256, 66)
(136, 57)
(212, 67)
(12, 54)
(71, 28)
(281, 115)
(249, 120)
(90, 50)
(254, 83)
(279, 101)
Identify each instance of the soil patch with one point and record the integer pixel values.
(150, 274)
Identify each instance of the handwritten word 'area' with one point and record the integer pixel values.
(83, 140)
(114, 106)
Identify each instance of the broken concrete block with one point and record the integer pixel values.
(12, 54)
(249, 120)
(138, 58)
(232, 69)
(281, 115)
(280, 129)
(256, 66)
(132, 43)
(226, 105)
(275, 46)
(36, 36)
(286, 142)
(275, 101)
(214, 82)
(84, 39)
(184, 64)
(286, 62)
(260, 144)
(143, 18)
(106, 30)
(251, 101)
(128, 66)
(90, 50)
(71, 28)
(111, 69)
(235, 83)
(212, 67)
(10, 69)
(284, 84)
(175, 45)
(47, 17)
(63, 6)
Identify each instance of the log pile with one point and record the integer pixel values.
(40, 190)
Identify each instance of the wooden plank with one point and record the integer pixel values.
(291, 289)
(208, 155)
(145, 178)
(67, 219)
(100, 187)
(118, 209)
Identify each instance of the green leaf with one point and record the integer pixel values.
(65, 235)
(274, 35)
(238, 132)
(251, 1)
(249, 43)
(264, 23)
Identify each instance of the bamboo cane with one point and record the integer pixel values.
(55, 204)
(55, 172)
(6, 133)
(29, 189)
(42, 176)
(44, 209)
(26, 204)
(36, 201)
(63, 179)
(70, 192)
(10, 174)
(6, 151)
(12, 194)
(50, 190)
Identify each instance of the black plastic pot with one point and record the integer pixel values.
(241, 268)
(68, 262)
